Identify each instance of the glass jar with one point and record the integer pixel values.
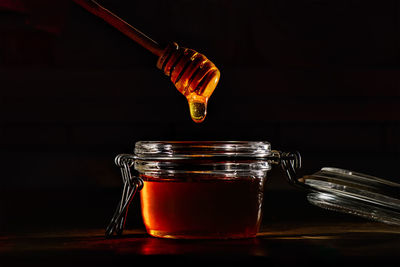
(206, 189)
(202, 189)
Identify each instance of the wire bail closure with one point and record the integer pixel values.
(131, 185)
(290, 162)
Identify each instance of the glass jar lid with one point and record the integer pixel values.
(354, 193)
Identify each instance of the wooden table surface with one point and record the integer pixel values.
(357, 243)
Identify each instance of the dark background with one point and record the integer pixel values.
(321, 77)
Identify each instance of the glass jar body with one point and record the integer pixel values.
(202, 189)
(196, 205)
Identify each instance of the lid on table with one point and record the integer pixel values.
(354, 193)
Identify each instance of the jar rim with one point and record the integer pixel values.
(196, 149)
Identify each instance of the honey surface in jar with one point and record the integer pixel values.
(202, 208)
(193, 75)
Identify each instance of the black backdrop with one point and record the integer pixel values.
(317, 76)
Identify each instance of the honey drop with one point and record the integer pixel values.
(198, 111)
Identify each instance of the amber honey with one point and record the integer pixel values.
(200, 206)
(193, 75)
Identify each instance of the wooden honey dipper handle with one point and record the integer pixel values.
(121, 25)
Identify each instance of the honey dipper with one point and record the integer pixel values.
(191, 72)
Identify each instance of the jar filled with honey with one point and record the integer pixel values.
(202, 189)
(195, 190)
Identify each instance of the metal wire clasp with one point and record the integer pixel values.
(132, 184)
(290, 162)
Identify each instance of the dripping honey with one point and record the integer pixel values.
(198, 206)
(193, 75)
